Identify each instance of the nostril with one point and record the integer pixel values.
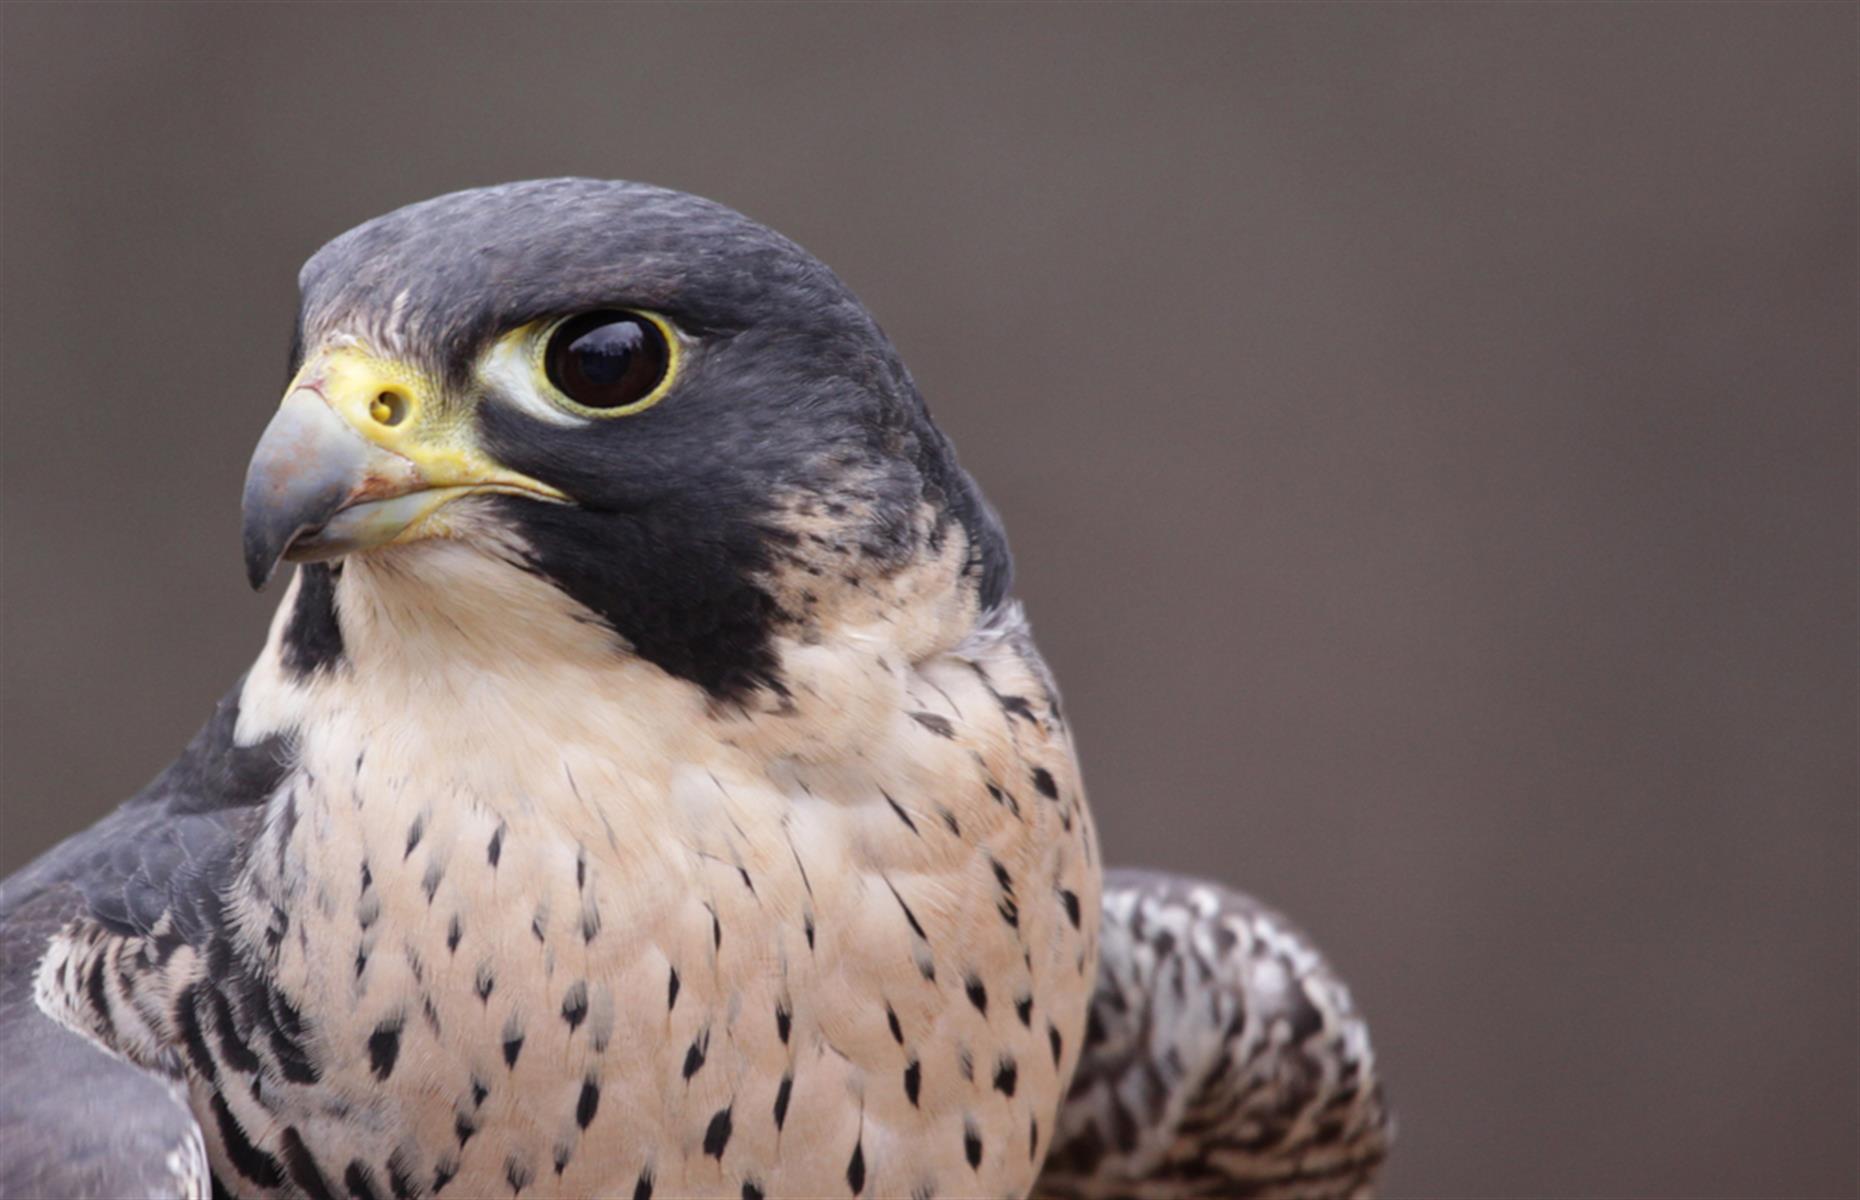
(389, 408)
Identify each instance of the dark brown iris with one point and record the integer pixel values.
(607, 360)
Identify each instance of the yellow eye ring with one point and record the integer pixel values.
(608, 362)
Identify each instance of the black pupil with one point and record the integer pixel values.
(607, 359)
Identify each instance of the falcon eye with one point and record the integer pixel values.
(610, 362)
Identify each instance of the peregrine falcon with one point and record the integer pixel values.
(648, 786)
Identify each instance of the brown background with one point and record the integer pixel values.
(1427, 434)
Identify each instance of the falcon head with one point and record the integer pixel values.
(676, 418)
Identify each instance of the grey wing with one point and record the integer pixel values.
(1223, 1058)
(75, 1119)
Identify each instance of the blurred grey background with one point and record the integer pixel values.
(1427, 434)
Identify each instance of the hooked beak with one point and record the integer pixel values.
(357, 458)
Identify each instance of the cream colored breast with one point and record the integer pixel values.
(575, 927)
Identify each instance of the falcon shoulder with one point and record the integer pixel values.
(1223, 1057)
(76, 1119)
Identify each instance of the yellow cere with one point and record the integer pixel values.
(398, 409)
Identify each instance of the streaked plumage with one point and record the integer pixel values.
(1223, 1057)
(666, 802)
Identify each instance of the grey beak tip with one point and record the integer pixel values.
(261, 554)
(265, 534)
(304, 469)
(258, 573)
